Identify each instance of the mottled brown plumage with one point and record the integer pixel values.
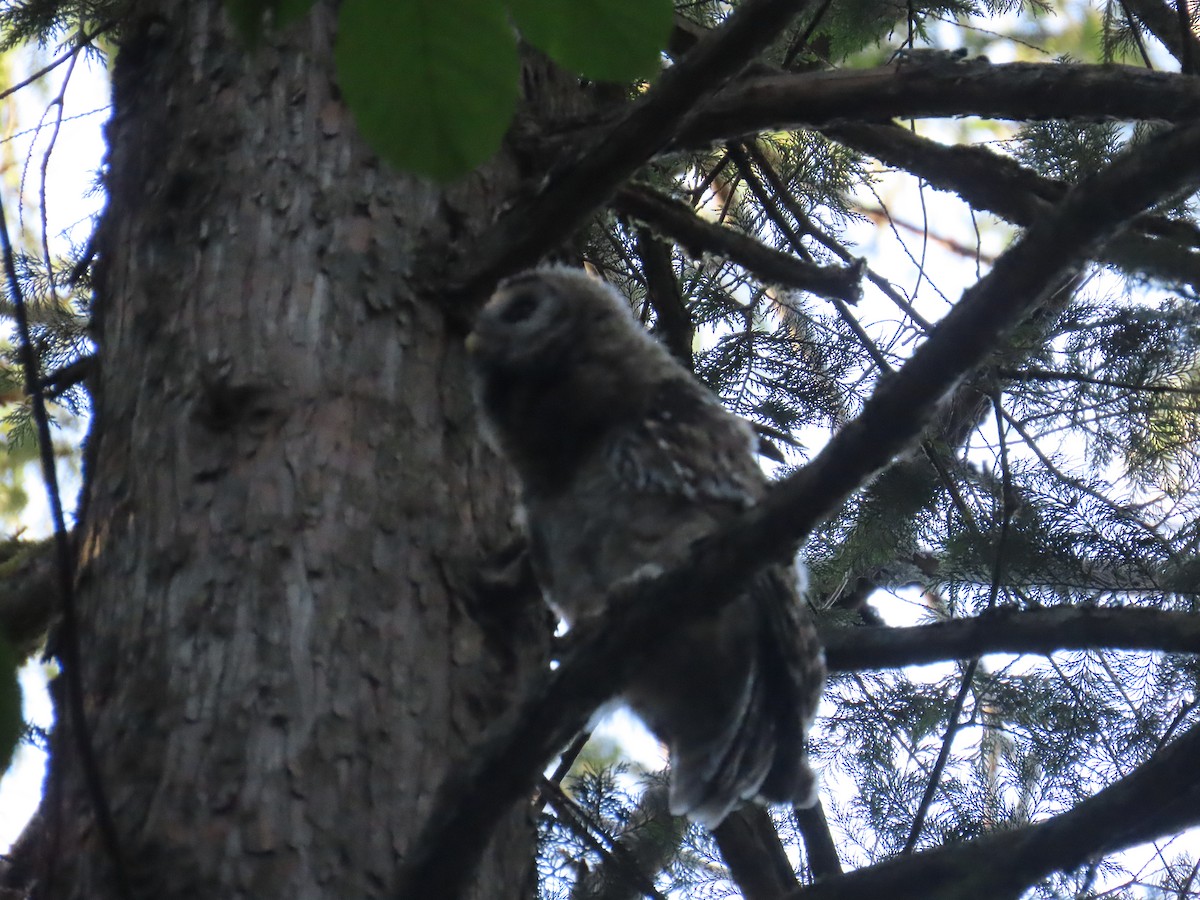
(625, 460)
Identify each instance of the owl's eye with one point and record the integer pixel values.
(520, 307)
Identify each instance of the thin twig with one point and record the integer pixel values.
(1084, 488)
(69, 631)
(58, 104)
(565, 762)
(953, 723)
(939, 766)
(83, 41)
(775, 214)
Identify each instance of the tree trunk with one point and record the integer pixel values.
(286, 491)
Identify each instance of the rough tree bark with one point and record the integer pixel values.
(285, 492)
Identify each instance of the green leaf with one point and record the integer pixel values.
(606, 40)
(12, 722)
(249, 16)
(432, 83)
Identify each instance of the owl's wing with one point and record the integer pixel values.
(663, 476)
(687, 446)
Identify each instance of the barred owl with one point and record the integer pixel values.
(624, 461)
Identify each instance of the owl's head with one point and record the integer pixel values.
(557, 359)
(550, 319)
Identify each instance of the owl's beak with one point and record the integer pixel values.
(472, 343)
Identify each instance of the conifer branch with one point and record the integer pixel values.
(83, 39)
(64, 570)
(628, 862)
(753, 154)
(1034, 373)
(1155, 246)
(1171, 28)
(953, 723)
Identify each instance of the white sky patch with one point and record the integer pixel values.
(21, 786)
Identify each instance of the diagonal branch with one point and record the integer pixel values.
(698, 237)
(581, 184)
(953, 724)
(672, 321)
(756, 858)
(823, 861)
(604, 653)
(1042, 631)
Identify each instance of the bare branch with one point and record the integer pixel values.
(698, 237)
(1019, 91)
(822, 852)
(672, 321)
(1042, 631)
(62, 380)
(751, 848)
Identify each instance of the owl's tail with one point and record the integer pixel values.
(793, 664)
(759, 751)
